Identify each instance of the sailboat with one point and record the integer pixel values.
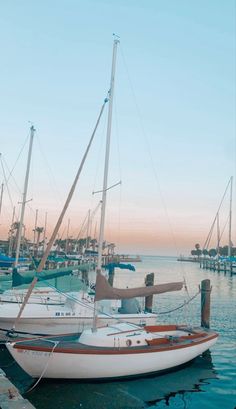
(44, 313)
(120, 350)
(114, 351)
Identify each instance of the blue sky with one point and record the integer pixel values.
(173, 141)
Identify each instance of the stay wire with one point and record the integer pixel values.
(49, 171)
(120, 169)
(152, 161)
(6, 181)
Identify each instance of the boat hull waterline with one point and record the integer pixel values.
(73, 360)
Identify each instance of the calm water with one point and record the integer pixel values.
(208, 382)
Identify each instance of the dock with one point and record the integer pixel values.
(219, 266)
(10, 397)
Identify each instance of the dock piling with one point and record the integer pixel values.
(149, 281)
(205, 303)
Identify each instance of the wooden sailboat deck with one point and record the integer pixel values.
(69, 344)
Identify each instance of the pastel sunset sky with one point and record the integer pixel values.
(174, 123)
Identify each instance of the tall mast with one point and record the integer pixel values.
(11, 238)
(105, 176)
(107, 154)
(230, 216)
(44, 231)
(59, 221)
(88, 228)
(218, 235)
(1, 196)
(35, 226)
(67, 236)
(32, 131)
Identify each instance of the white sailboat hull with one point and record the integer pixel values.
(29, 327)
(103, 363)
(60, 319)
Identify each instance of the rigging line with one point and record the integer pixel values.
(18, 188)
(217, 211)
(60, 219)
(98, 157)
(119, 167)
(18, 157)
(6, 181)
(85, 221)
(208, 240)
(61, 234)
(11, 172)
(117, 133)
(12, 177)
(224, 227)
(83, 304)
(152, 161)
(50, 172)
(76, 300)
(82, 228)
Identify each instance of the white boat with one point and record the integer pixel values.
(41, 295)
(71, 316)
(49, 312)
(119, 350)
(44, 318)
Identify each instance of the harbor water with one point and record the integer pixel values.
(207, 382)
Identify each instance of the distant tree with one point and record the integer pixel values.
(61, 244)
(205, 252)
(13, 235)
(93, 244)
(198, 251)
(81, 245)
(212, 252)
(224, 251)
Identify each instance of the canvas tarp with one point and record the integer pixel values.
(105, 292)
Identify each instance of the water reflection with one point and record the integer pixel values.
(138, 393)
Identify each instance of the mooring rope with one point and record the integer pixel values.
(180, 306)
(46, 366)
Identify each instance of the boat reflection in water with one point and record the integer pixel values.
(136, 393)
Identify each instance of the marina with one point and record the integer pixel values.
(210, 376)
(117, 173)
(219, 266)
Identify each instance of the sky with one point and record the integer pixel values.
(174, 124)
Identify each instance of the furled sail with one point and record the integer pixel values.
(105, 292)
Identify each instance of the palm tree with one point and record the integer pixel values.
(198, 251)
(13, 237)
(38, 231)
(93, 243)
(212, 252)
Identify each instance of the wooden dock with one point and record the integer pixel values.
(10, 397)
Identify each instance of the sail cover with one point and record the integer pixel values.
(105, 292)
